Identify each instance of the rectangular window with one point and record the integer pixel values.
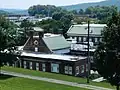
(77, 70)
(70, 70)
(36, 49)
(25, 64)
(43, 67)
(80, 39)
(55, 68)
(96, 39)
(90, 39)
(37, 66)
(84, 39)
(75, 38)
(86, 67)
(82, 68)
(30, 65)
(66, 69)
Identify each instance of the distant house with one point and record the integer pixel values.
(46, 44)
(13, 19)
(80, 32)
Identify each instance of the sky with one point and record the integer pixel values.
(25, 4)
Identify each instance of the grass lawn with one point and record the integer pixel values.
(16, 83)
(56, 76)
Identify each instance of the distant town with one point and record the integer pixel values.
(56, 45)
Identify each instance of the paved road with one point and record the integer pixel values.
(56, 81)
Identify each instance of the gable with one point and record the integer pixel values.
(36, 42)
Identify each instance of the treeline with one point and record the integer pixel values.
(2, 12)
(102, 13)
(45, 10)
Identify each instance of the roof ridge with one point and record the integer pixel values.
(53, 36)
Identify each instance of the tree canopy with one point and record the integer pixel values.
(58, 25)
(8, 34)
(9, 38)
(107, 54)
(45, 10)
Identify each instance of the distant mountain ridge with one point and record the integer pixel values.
(69, 7)
(15, 11)
(2, 12)
(86, 5)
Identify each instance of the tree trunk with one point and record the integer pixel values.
(117, 87)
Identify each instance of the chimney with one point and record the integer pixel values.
(41, 34)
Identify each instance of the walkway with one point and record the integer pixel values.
(56, 81)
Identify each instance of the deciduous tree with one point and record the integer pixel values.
(107, 54)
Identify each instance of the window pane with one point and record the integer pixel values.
(84, 39)
(55, 68)
(37, 66)
(66, 69)
(36, 49)
(80, 39)
(24, 62)
(70, 70)
(77, 70)
(86, 67)
(96, 40)
(30, 65)
(82, 68)
(43, 67)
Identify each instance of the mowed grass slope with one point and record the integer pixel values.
(16, 83)
(56, 76)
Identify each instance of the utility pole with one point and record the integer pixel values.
(88, 61)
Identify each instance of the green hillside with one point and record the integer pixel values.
(2, 12)
(15, 11)
(86, 5)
